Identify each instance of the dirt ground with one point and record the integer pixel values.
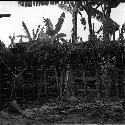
(7, 119)
(19, 120)
(34, 115)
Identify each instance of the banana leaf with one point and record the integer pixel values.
(66, 8)
(37, 31)
(48, 23)
(49, 32)
(58, 26)
(60, 35)
(26, 30)
(63, 40)
(33, 34)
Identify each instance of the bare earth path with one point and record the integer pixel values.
(7, 119)
(34, 116)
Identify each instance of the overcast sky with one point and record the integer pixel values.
(33, 17)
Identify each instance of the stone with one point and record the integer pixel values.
(14, 108)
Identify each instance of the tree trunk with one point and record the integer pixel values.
(56, 75)
(98, 86)
(121, 34)
(13, 94)
(71, 82)
(42, 82)
(1, 88)
(39, 89)
(105, 33)
(124, 74)
(83, 74)
(113, 35)
(61, 85)
(33, 89)
(61, 79)
(89, 21)
(67, 81)
(45, 83)
(97, 78)
(74, 21)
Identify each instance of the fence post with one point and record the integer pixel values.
(98, 90)
(117, 91)
(84, 82)
(116, 83)
(97, 86)
(124, 75)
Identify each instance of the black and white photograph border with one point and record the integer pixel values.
(62, 62)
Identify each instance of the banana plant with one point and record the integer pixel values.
(21, 38)
(109, 26)
(53, 33)
(72, 7)
(12, 39)
(28, 35)
(45, 41)
(42, 3)
(68, 6)
(121, 36)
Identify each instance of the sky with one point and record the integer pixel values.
(32, 16)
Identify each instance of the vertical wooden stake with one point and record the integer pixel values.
(93, 27)
(119, 34)
(114, 36)
(84, 82)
